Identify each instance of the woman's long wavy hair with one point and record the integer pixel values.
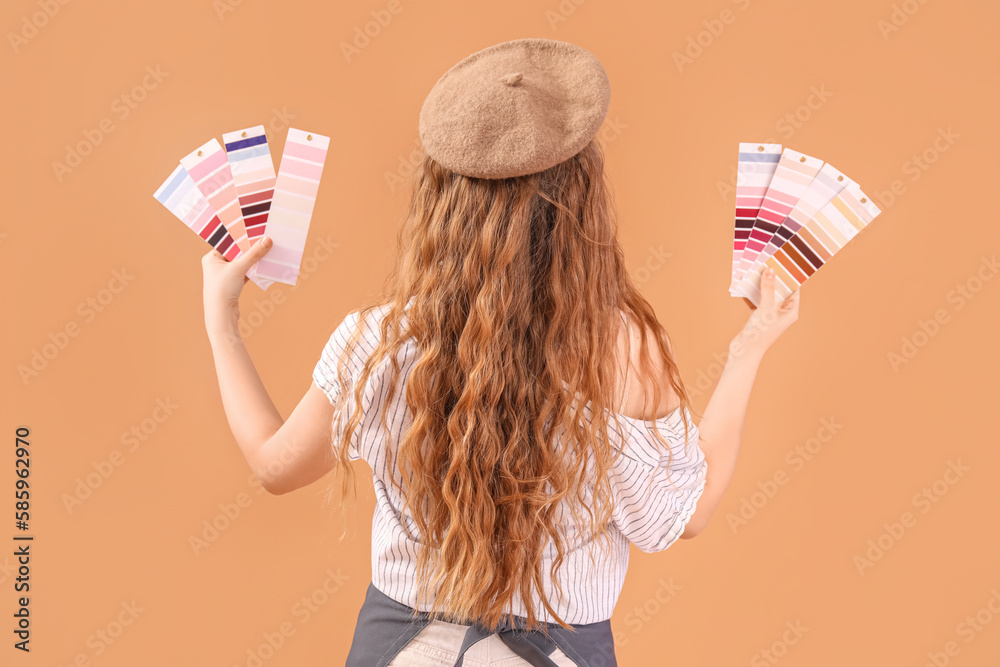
(517, 286)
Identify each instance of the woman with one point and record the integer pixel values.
(513, 392)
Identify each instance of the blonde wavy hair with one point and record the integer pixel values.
(517, 288)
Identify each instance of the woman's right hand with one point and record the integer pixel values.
(770, 319)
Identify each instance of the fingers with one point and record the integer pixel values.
(245, 260)
(749, 303)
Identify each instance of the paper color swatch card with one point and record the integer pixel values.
(754, 171)
(253, 175)
(291, 209)
(791, 178)
(182, 198)
(821, 238)
(808, 212)
(210, 170)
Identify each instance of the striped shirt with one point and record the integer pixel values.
(652, 502)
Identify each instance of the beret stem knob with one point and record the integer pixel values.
(511, 79)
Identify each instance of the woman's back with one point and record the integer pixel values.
(652, 501)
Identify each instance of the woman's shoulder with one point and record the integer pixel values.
(636, 389)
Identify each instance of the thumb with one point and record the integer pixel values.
(247, 259)
(766, 289)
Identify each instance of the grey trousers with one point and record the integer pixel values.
(385, 627)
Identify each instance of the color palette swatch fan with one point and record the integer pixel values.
(228, 194)
(793, 214)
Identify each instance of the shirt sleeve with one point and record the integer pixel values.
(325, 372)
(654, 500)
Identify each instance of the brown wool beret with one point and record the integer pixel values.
(515, 108)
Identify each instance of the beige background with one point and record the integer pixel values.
(872, 84)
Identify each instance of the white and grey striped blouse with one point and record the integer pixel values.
(649, 511)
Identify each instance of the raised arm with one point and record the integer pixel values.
(721, 427)
(283, 454)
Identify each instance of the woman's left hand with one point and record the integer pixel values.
(224, 280)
